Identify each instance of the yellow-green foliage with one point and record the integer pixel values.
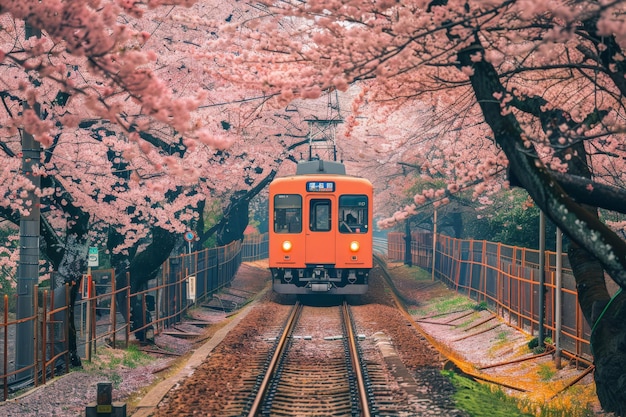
(546, 371)
(480, 400)
(130, 357)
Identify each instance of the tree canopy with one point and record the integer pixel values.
(533, 89)
(145, 109)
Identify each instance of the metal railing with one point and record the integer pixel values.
(507, 279)
(184, 281)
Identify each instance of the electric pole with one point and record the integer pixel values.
(28, 267)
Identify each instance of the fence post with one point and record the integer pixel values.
(88, 320)
(542, 275)
(127, 308)
(66, 326)
(408, 257)
(5, 371)
(558, 298)
(35, 319)
(434, 242)
(44, 339)
(113, 309)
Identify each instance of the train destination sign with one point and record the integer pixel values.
(320, 186)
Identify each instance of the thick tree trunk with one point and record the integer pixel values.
(72, 264)
(235, 221)
(141, 268)
(608, 341)
(590, 284)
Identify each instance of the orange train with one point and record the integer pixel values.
(320, 238)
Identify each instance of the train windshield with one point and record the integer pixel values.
(287, 213)
(320, 215)
(353, 214)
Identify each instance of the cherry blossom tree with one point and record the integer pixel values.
(135, 136)
(75, 81)
(531, 87)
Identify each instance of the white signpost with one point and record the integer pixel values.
(189, 237)
(93, 259)
(191, 288)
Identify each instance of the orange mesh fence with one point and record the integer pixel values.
(104, 302)
(505, 278)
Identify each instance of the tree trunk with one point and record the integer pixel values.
(408, 259)
(235, 222)
(72, 264)
(609, 336)
(608, 341)
(140, 269)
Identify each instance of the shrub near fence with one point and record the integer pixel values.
(507, 279)
(98, 317)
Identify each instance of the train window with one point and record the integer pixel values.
(287, 213)
(353, 214)
(320, 215)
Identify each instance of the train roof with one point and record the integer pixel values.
(320, 170)
(320, 167)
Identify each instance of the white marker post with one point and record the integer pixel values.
(92, 261)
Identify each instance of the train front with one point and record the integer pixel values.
(321, 231)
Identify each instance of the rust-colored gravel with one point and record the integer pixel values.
(375, 315)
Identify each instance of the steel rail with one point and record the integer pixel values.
(354, 356)
(280, 348)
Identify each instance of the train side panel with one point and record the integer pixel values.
(320, 234)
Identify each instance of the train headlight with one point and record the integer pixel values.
(354, 246)
(287, 246)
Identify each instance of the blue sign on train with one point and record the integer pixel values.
(320, 186)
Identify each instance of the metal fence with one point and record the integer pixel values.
(507, 279)
(255, 247)
(184, 281)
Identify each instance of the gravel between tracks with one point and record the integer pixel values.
(69, 395)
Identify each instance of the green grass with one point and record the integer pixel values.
(446, 304)
(480, 400)
(422, 274)
(111, 359)
(546, 371)
(502, 337)
(135, 357)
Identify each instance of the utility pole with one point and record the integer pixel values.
(28, 267)
(322, 132)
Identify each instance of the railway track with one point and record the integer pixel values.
(288, 360)
(314, 377)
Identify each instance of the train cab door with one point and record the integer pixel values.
(320, 236)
